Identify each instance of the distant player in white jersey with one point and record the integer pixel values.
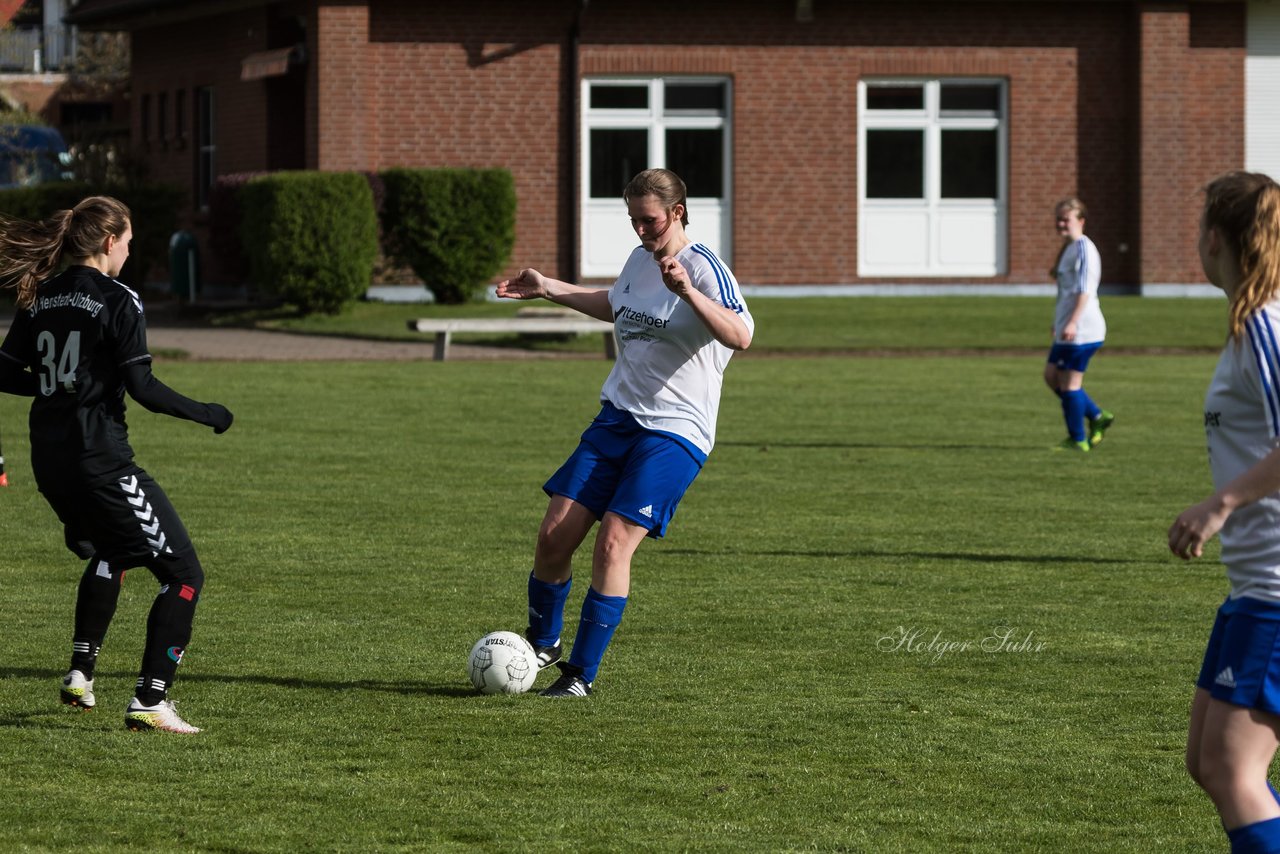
(1078, 329)
(1235, 715)
(678, 315)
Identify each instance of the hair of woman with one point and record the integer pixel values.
(31, 252)
(662, 184)
(1072, 204)
(1244, 208)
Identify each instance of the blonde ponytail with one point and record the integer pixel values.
(1244, 207)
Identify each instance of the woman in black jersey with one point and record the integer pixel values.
(78, 342)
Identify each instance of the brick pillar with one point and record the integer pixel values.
(339, 127)
(1191, 126)
(1167, 192)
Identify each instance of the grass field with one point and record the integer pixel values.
(887, 617)
(837, 324)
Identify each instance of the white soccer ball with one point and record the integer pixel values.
(503, 663)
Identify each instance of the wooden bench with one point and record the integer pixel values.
(444, 329)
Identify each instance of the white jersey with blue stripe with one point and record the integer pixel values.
(1242, 425)
(670, 368)
(1079, 271)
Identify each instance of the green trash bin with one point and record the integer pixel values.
(184, 264)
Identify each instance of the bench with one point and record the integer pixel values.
(443, 329)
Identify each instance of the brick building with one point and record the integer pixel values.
(853, 143)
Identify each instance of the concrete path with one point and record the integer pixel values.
(166, 337)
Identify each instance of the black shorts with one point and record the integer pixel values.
(127, 522)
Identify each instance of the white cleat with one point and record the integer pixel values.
(162, 716)
(77, 691)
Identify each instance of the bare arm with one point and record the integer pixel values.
(1197, 525)
(724, 324)
(530, 284)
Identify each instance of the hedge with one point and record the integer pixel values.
(310, 237)
(453, 227)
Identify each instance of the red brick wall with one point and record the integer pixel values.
(1103, 103)
(167, 59)
(1192, 125)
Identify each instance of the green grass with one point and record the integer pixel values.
(363, 524)
(834, 323)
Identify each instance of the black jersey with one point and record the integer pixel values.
(85, 340)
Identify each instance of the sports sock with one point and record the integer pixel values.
(1274, 793)
(168, 633)
(1261, 837)
(546, 610)
(96, 600)
(1073, 414)
(600, 618)
(1091, 409)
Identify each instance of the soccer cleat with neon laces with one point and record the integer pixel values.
(162, 716)
(1098, 426)
(1069, 444)
(77, 691)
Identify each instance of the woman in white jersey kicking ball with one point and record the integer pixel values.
(1235, 714)
(678, 315)
(1078, 329)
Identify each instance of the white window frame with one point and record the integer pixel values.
(605, 233)
(933, 236)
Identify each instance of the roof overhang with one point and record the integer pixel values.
(139, 14)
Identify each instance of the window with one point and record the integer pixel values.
(162, 115)
(180, 114)
(144, 118)
(632, 124)
(932, 176)
(206, 147)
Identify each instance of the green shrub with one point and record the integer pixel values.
(310, 237)
(453, 227)
(154, 208)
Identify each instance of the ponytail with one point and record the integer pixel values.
(31, 252)
(1245, 209)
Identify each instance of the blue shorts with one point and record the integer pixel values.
(619, 467)
(1242, 661)
(1073, 357)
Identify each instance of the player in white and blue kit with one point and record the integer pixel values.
(1235, 715)
(678, 315)
(1078, 329)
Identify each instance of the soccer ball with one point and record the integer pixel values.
(503, 663)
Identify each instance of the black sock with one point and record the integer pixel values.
(168, 633)
(96, 600)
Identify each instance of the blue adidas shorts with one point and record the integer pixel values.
(619, 467)
(1073, 357)
(1242, 661)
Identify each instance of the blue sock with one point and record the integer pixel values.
(600, 617)
(1091, 409)
(1261, 837)
(1274, 793)
(546, 610)
(1073, 413)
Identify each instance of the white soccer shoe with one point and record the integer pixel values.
(77, 691)
(162, 716)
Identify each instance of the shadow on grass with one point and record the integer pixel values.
(385, 686)
(969, 557)
(883, 446)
